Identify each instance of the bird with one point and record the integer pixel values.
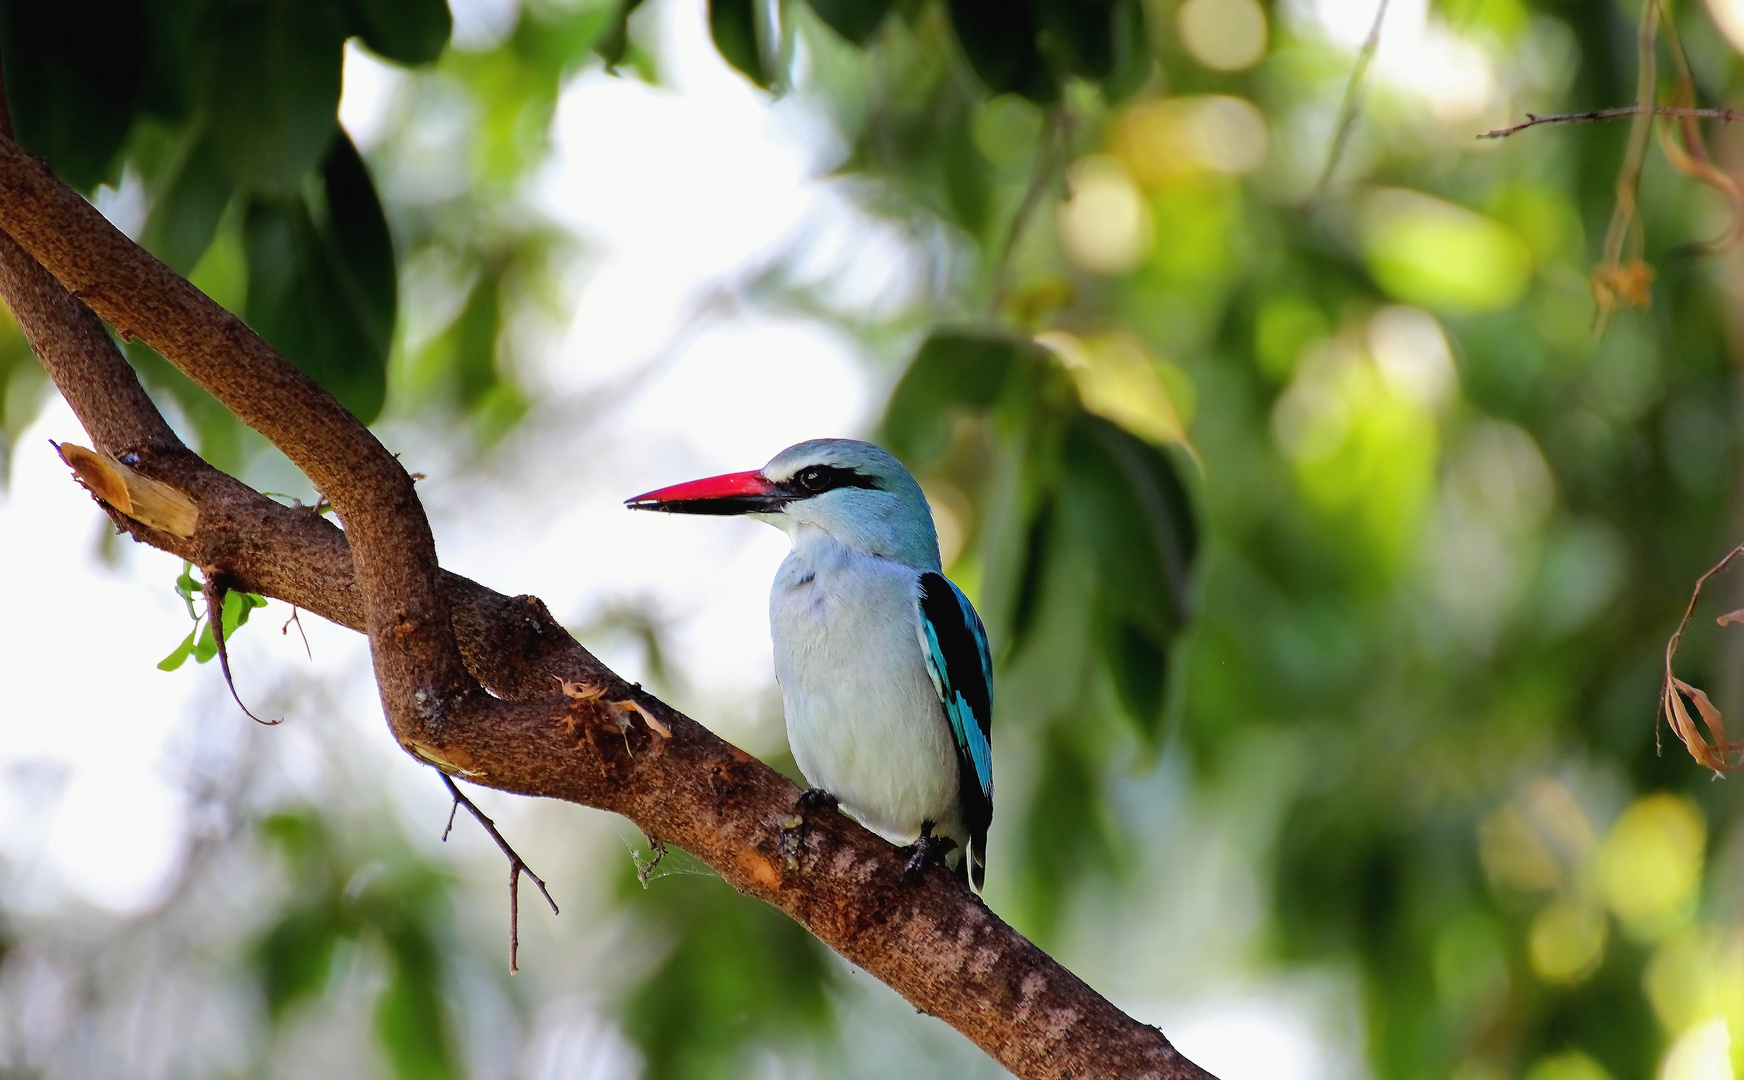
(885, 673)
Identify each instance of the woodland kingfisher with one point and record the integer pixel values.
(886, 679)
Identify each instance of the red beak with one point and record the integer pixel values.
(733, 493)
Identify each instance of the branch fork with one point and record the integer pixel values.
(466, 673)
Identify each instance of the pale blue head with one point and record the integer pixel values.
(853, 491)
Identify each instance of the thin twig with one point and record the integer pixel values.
(1347, 111)
(517, 866)
(1725, 116)
(1052, 129)
(286, 630)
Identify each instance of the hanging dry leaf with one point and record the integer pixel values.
(1692, 158)
(1625, 284)
(1719, 754)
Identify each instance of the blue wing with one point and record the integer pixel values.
(962, 670)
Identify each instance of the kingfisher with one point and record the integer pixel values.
(886, 678)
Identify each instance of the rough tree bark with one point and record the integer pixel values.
(469, 677)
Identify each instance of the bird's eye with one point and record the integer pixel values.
(813, 479)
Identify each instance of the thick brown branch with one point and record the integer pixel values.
(1725, 116)
(932, 941)
(418, 666)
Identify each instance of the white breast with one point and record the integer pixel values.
(863, 718)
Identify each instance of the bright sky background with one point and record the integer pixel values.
(676, 193)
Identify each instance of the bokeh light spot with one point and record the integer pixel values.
(1728, 15)
(1412, 354)
(1226, 35)
(1568, 1065)
(1651, 863)
(1104, 225)
(1441, 256)
(1168, 138)
(1567, 941)
(1703, 1052)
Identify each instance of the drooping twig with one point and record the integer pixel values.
(1047, 151)
(517, 866)
(1348, 109)
(1725, 116)
(214, 592)
(1618, 280)
(1692, 159)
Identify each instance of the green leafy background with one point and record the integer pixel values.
(1327, 546)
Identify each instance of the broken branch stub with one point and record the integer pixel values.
(147, 501)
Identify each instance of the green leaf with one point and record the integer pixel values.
(206, 647)
(614, 42)
(267, 72)
(188, 587)
(1133, 58)
(237, 607)
(856, 20)
(294, 957)
(165, 51)
(968, 186)
(185, 212)
(1078, 35)
(1068, 832)
(953, 371)
(1138, 663)
(179, 656)
(999, 39)
(410, 1015)
(1123, 496)
(474, 339)
(73, 77)
(355, 230)
(739, 975)
(321, 284)
(733, 25)
(405, 31)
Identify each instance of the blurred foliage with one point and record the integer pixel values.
(343, 900)
(738, 978)
(1352, 515)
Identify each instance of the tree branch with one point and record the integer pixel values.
(1725, 116)
(442, 636)
(418, 666)
(517, 866)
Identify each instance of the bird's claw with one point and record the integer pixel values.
(927, 850)
(811, 800)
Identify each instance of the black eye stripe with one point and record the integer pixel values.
(817, 479)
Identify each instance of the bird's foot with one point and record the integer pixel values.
(927, 850)
(810, 801)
